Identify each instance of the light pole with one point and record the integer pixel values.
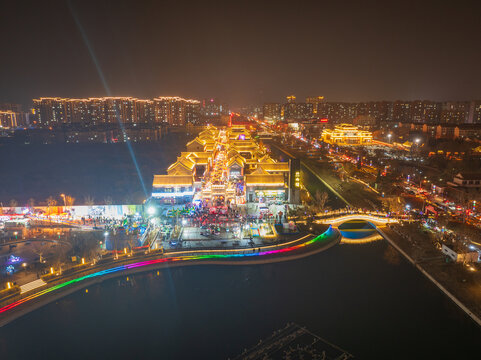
(389, 137)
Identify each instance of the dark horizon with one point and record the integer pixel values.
(241, 53)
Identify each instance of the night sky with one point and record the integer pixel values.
(241, 52)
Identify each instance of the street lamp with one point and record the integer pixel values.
(63, 197)
(389, 137)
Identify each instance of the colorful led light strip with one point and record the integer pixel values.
(322, 237)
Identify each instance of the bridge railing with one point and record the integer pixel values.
(339, 213)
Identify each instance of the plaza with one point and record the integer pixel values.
(227, 187)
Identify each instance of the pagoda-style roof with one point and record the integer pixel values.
(186, 162)
(182, 166)
(274, 167)
(233, 153)
(259, 171)
(196, 155)
(206, 136)
(195, 141)
(236, 160)
(266, 159)
(172, 180)
(209, 147)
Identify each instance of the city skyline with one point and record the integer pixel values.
(349, 52)
(180, 179)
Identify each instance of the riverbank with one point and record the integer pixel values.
(346, 193)
(293, 250)
(462, 294)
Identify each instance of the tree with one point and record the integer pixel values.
(89, 200)
(108, 200)
(13, 203)
(31, 202)
(320, 200)
(59, 257)
(51, 201)
(394, 204)
(86, 244)
(69, 200)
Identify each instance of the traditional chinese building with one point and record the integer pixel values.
(346, 135)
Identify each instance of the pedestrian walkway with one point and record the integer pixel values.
(32, 285)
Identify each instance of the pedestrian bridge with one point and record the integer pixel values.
(375, 219)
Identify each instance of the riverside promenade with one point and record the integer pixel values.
(458, 302)
(60, 286)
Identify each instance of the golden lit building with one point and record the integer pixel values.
(224, 164)
(8, 119)
(346, 135)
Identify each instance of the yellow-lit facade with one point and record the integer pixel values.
(225, 165)
(346, 135)
(8, 119)
(173, 110)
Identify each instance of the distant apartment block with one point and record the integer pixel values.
(399, 111)
(175, 111)
(272, 112)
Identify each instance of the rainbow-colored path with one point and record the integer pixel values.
(327, 235)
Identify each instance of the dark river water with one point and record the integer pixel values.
(363, 298)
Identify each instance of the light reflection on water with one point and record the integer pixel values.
(365, 298)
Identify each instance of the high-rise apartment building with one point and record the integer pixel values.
(192, 112)
(296, 111)
(114, 110)
(315, 101)
(144, 112)
(8, 119)
(15, 114)
(77, 111)
(402, 111)
(272, 111)
(176, 111)
(337, 112)
(455, 112)
(119, 109)
(50, 111)
(377, 112)
(213, 108)
(475, 112)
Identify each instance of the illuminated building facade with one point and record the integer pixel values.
(50, 111)
(399, 111)
(225, 165)
(8, 119)
(176, 111)
(272, 112)
(12, 115)
(315, 101)
(296, 111)
(345, 134)
(213, 108)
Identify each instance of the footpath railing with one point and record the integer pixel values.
(128, 259)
